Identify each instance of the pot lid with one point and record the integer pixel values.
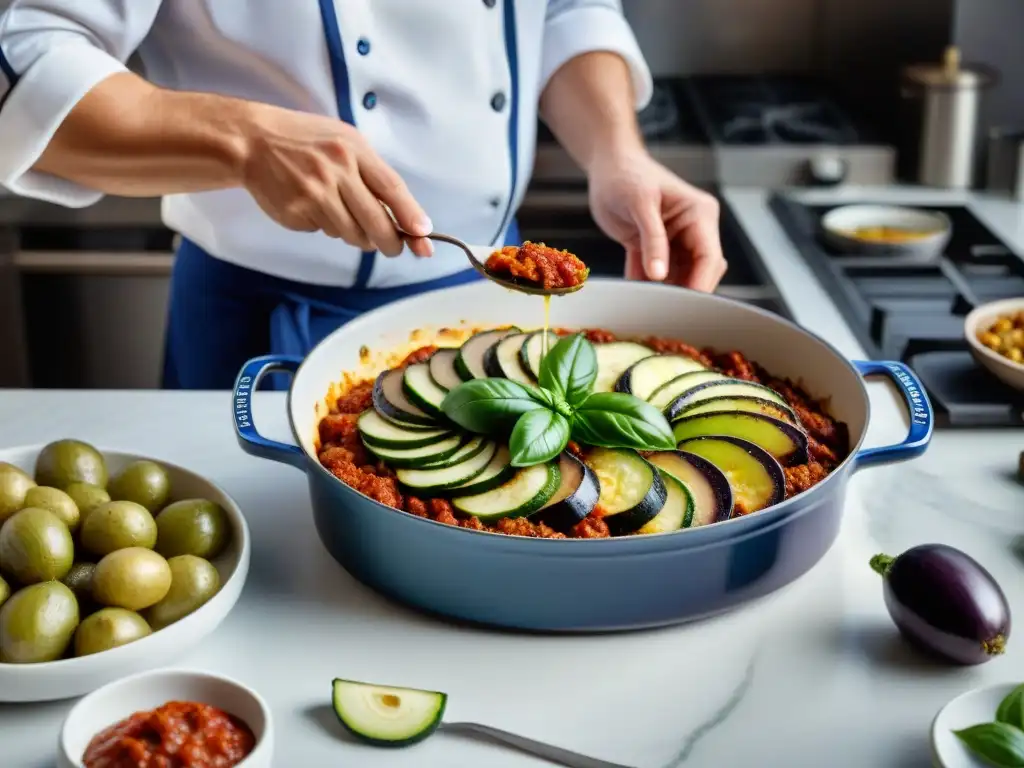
(949, 73)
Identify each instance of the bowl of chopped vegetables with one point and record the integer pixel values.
(995, 333)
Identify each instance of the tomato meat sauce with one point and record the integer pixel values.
(536, 263)
(342, 452)
(179, 734)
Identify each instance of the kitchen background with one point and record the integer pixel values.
(83, 293)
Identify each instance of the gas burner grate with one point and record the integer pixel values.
(788, 124)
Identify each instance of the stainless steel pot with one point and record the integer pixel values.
(577, 584)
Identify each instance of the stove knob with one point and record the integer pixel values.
(828, 170)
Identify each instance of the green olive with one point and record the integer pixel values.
(108, 628)
(86, 497)
(35, 546)
(144, 482)
(55, 500)
(192, 527)
(37, 622)
(193, 582)
(5, 590)
(64, 462)
(79, 580)
(116, 525)
(132, 578)
(14, 485)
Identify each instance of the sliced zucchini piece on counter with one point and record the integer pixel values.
(632, 492)
(723, 387)
(613, 359)
(669, 392)
(497, 472)
(756, 478)
(435, 478)
(417, 457)
(379, 431)
(422, 390)
(442, 369)
(643, 378)
(678, 510)
(575, 498)
(748, 404)
(389, 717)
(532, 351)
(469, 362)
(391, 402)
(529, 489)
(466, 451)
(781, 439)
(707, 484)
(501, 360)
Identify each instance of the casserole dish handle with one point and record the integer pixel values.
(921, 416)
(251, 441)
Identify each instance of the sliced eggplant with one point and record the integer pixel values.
(575, 498)
(781, 439)
(643, 378)
(434, 479)
(748, 404)
(724, 387)
(708, 485)
(379, 431)
(502, 360)
(497, 472)
(389, 717)
(417, 457)
(422, 390)
(442, 369)
(532, 351)
(469, 362)
(632, 492)
(678, 510)
(466, 451)
(614, 359)
(756, 478)
(528, 490)
(391, 402)
(665, 395)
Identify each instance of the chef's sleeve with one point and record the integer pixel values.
(53, 52)
(573, 27)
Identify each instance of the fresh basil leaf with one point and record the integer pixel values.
(997, 743)
(490, 406)
(617, 420)
(538, 436)
(569, 369)
(1011, 709)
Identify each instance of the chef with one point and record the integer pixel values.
(274, 129)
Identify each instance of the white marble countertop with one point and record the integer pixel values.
(814, 675)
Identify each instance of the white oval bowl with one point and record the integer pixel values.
(68, 678)
(1007, 371)
(838, 221)
(971, 708)
(149, 690)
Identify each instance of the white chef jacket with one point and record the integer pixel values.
(446, 91)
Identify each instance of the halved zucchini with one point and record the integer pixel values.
(643, 378)
(422, 390)
(497, 472)
(756, 478)
(418, 457)
(665, 395)
(724, 387)
(678, 510)
(632, 492)
(387, 717)
(532, 351)
(613, 359)
(379, 431)
(433, 479)
(748, 404)
(781, 439)
(501, 360)
(575, 498)
(391, 402)
(708, 485)
(442, 369)
(528, 490)
(469, 362)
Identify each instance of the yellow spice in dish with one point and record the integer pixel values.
(889, 234)
(1006, 336)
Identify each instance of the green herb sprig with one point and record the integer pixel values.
(541, 420)
(1001, 742)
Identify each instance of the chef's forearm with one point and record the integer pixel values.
(127, 137)
(589, 105)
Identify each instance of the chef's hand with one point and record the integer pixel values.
(668, 227)
(311, 173)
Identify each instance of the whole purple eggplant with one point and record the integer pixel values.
(944, 601)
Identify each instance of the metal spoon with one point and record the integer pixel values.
(552, 754)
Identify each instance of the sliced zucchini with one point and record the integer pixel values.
(708, 485)
(532, 351)
(391, 402)
(725, 387)
(781, 439)
(497, 472)
(389, 717)
(422, 390)
(529, 489)
(632, 492)
(417, 457)
(665, 395)
(575, 498)
(379, 431)
(613, 359)
(643, 378)
(442, 369)
(678, 510)
(748, 404)
(756, 478)
(469, 362)
(466, 452)
(501, 360)
(434, 479)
